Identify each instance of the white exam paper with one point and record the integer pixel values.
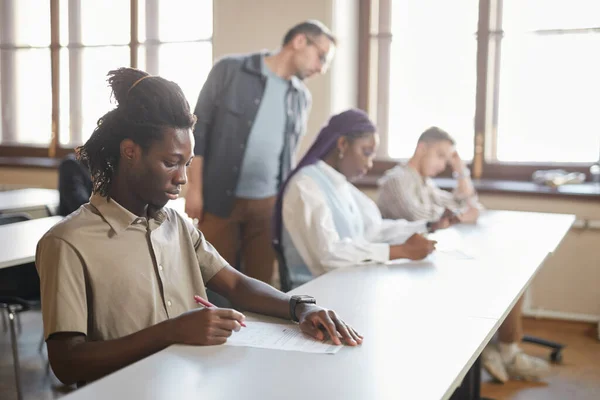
(284, 337)
(451, 254)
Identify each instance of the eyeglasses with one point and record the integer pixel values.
(322, 53)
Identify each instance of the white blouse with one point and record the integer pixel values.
(309, 222)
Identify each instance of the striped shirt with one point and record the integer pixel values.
(404, 193)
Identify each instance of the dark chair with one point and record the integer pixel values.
(13, 306)
(6, 219)
(288, 279)
(555, 355)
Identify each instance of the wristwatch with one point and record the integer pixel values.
(429, 226)
(466, 172)
(299, 299)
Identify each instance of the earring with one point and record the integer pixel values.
(341, 154)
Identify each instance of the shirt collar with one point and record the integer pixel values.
(254, 64)
(337, 178)
(118, 217)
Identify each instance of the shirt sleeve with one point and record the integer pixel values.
(398, 200)
(445, 199)
(309, 221)
(208, 257)
(62, 287)
(377, 229)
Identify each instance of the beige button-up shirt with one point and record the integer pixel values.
(107, 273)
(403, 193)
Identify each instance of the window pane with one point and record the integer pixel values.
(32, 22)
(548, 105)
(32, 107)
(185, 20)
(529, 15)
(105, 22)
(549, 85)
(432, 72)
(187, 64)
(96, 93)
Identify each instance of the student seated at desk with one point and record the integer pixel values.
(323, 222)
(119, 275)
(407, 191)
(74, 185)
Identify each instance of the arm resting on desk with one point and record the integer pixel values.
(256, 296)
(74, 359)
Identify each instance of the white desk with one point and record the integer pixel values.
(27, 200)
(425, 324)
(18, 241)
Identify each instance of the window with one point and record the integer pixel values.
(25, 84)
(66, 77)
(432, 72)
(519, 78)
(549, 82)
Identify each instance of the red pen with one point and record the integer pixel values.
(207, 303)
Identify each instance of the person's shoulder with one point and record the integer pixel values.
(399, 173)
(75, 226)
(303, 182)
(175, 216)
(236, 59)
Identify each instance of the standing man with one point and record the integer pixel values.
(251, 113)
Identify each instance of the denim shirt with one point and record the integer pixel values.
(226, 110)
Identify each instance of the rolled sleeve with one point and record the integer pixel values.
(208, 257)
(62, 286)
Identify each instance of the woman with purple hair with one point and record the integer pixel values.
(323, 222)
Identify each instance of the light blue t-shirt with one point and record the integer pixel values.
(260, 167)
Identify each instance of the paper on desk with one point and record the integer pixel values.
(440, 254)
(451, 254)
(284, 337)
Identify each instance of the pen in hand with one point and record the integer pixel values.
(206, 303)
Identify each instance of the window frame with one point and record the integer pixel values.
(373, 90)
(152, 45)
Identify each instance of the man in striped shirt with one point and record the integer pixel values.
(408, 192)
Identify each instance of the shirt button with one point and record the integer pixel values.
(169, 303)
(257, 101)
(228, 192)
(249, 123)
(242, 146)
(160, 267)
(235, 169)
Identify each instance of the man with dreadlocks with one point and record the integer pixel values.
(119, 275)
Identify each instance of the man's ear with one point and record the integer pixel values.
(421, 148)
(130, 151)
(299, 41)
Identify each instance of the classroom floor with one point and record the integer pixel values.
(577, 378)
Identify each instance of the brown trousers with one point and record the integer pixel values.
(511, 330)
(245, 234)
